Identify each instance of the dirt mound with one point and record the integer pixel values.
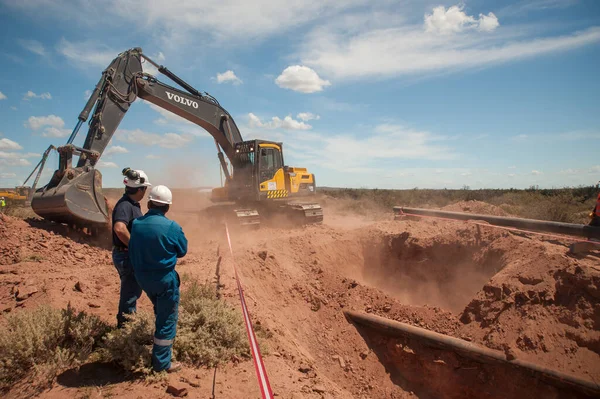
(510, 292)
(544, 307)
(476, 207)
(39, 241)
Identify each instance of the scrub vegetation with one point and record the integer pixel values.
(569, 205)
(44, 342)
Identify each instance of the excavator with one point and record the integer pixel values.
(259, 184)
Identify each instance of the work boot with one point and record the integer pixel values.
(175, 366)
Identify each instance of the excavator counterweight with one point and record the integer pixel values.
(260, 184)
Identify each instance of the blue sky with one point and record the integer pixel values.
(375, 94)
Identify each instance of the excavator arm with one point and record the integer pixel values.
(74, 194)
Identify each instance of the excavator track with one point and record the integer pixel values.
(306, 213)
(232, 215)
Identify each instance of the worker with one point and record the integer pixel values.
(125, 211)
(2, 204)
(156, 243)
(596, 213)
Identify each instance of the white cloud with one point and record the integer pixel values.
(454, 20)
(2, 96)
(43, 96)
(371, 46)
(151, 69)
(55, 132)
(152, 156)
(104, 164)
(307, 116)
(177, 19)
(116, 149)
(512, 167)
(14, 162)
(8, 144)
(34, 46)
(167, 140)
(362, 153)
(466, 174)
(536, 172)
(511, 175)
(37, 122)
(17, 155)
(53, 125)
(287, 123)
(86, 54)
(447, 21)
(301, 78)
(228, 76)
(177, 22)
(488, 23)
(87, 94)
(7, 175)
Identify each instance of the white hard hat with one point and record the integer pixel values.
(141, 181)
(161, 195)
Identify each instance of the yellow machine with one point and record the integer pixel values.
(19, 194)
(259, 184)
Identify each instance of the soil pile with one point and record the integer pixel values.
(476, 207)
(37, 241)
(510, 292)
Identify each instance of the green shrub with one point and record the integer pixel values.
(209, 332)
(45, 341)
(46, 338)
(131, 346)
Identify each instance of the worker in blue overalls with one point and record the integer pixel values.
(156, 243)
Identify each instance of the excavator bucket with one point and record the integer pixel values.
(76, 200)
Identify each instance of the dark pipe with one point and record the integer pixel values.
(472, 351)
(580, 230)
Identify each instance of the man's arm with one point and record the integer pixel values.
(180, 240)
(122, 232)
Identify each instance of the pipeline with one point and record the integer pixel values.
(472, 351)
(579, 230)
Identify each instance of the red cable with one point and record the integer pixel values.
(261, 372)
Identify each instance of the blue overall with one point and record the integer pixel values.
(156, 243)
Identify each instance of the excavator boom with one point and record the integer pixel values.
(74, 194)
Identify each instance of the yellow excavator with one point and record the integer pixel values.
(260, 184)
(17, 195)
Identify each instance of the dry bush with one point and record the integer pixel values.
(131, 346)
(570, 205)
(209, 332)
(46, 341)
(43, 342)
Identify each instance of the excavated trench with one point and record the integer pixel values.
(442, 272)
(449, 271)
